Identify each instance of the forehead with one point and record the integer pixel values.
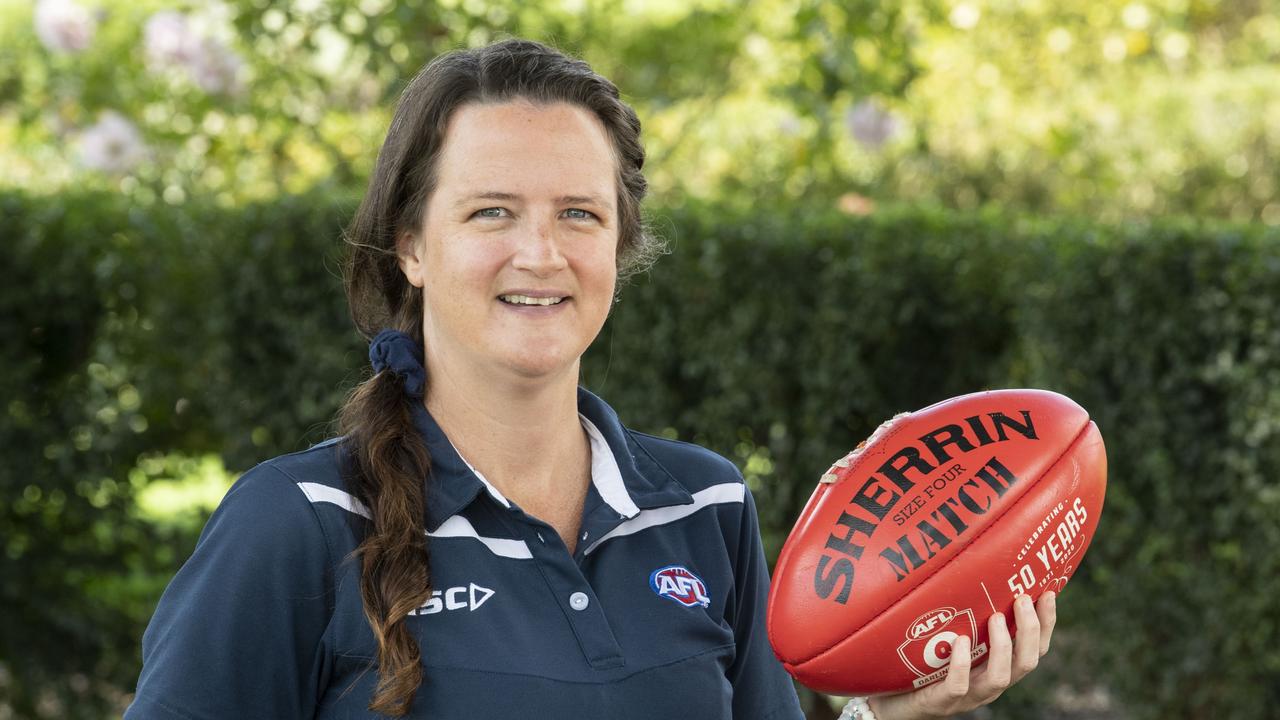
(526, 149)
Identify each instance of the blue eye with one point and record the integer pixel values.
(586, 214)
(485, 212)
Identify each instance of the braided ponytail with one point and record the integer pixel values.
(388, 464)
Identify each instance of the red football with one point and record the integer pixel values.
(940, 519)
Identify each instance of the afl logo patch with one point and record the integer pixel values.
(677, 583)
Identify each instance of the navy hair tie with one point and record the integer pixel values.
(395, 351)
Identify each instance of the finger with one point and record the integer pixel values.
(995, 675)
(1026, 646)
(945, 698)
(1047, 610)
(957, 682)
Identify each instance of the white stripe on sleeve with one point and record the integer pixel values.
(318, 493)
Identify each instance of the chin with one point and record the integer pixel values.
(540, 365)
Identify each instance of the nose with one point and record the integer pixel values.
(538, 250)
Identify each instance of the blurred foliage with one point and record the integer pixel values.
(173, 489)
(130, 336)
(146, 344)
(1114, 108)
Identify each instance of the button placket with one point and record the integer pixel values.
(567, 583)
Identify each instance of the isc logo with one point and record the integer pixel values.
(677, 583)
(455, 598)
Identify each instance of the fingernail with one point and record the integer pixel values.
(1051, 598)
(1003, 620)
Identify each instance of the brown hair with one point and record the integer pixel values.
(388, 460)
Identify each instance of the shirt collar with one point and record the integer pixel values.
(627, 478)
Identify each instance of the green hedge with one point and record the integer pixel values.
(779, 338)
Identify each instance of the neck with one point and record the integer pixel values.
(524, 437)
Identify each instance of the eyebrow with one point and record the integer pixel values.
(511, 197)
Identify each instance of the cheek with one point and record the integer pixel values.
(599, 287)
(600, 264)
(462, 262)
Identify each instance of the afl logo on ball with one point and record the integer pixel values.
(930, 638)
(677, 583)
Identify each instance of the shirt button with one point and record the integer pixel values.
(579, 601)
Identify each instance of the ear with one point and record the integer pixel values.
(410, 255)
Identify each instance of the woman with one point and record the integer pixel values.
(553, 563)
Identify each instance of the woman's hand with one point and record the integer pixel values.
(1007, 663)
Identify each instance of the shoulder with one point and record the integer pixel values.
(319, 464)
(314, 474)
(259, 584)
(716, 484)
(274, 502)
(694, 466)
(710, 478)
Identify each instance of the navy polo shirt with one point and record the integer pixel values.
(658, 613)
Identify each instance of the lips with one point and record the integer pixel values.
(519, 299)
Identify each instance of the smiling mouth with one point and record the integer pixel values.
(526, 300)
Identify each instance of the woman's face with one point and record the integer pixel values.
(516, 255)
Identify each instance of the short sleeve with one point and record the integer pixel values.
(238, 631)
(761, 687)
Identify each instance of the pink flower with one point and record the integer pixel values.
(870, 124)
(112, 145)
(168, 40)
(172, 42)
(64, 26)
(216, 68)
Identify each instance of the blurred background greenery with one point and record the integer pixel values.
(1113, 109)
(872, 206)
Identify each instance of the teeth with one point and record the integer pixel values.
(526, 300)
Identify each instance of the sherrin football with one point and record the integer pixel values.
(939, 520)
